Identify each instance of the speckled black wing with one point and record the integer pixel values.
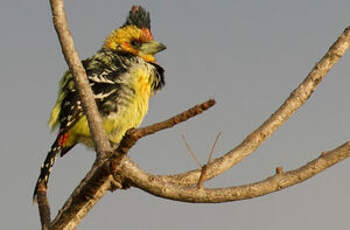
(103, 78)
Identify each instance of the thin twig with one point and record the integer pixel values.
(205, 167)
(195, 158)
(279, 170)
(134, 135)
(213, 147)
(202, 177)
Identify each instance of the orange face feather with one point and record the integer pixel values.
(121, 39)
(146, 35)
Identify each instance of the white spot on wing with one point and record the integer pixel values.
(100, 79)
(103, 95)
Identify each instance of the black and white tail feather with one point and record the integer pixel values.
(46, 168)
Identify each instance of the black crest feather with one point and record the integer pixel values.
(139, 17)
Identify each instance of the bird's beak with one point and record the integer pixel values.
(152, 47)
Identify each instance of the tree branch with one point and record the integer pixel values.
(134, 135)
(81, 82)
(296, 99)
(99, 179)
(71, 56)
(90, 190)
(96, 183)
(159, 187)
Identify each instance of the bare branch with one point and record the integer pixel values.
(102, 144)
(297, 98)
(98, 180)
(92, 188)
(134, 135)
(81, 82)
(159, 187)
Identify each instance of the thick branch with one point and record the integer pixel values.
(90, 190)
(81, 82)
(159, 187)
(72, 212)
(98, 180)
(297, 98)
(86, 96)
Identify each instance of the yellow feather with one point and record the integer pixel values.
(116, 124)
(121, 36)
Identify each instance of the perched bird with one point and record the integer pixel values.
(123, 75)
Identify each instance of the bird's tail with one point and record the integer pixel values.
(47, 166)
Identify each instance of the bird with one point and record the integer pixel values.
(123, 75)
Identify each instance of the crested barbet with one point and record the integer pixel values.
(123, 75)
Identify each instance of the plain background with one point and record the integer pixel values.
(248, 55)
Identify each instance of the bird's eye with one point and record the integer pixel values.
(135, 43)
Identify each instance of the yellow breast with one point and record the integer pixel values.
(128, 116)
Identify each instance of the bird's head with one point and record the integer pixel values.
(135, 36)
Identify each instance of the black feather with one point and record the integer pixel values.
(159, 81)
(47, 166)
(139, 17)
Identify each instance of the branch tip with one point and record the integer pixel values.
(213, 147)
(279, 170)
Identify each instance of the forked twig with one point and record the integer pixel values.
(204, 168)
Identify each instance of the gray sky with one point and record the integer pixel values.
(248, 55)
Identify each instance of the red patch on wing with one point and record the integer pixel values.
(63, 139)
